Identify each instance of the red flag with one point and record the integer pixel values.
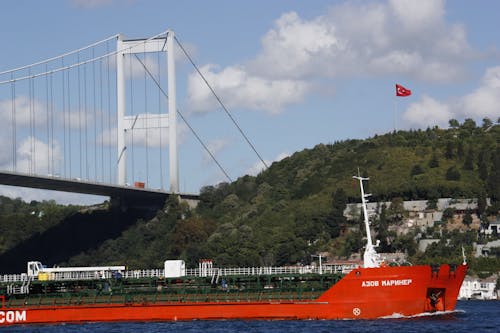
(402, 91)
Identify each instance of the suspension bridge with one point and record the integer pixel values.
(91, 120)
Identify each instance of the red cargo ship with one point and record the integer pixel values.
(101, 294)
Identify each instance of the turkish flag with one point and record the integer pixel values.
(402, 91)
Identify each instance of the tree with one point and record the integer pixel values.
(434, 162)
(336, 219)
(469, 124)
(454, 123)
(432, 203)
(481, 203)
(383, 230)
(494, 177)
(448, 213)
(487, 123)
(469, 159)
(482, 165)
(396, 210)
(416, 170)
(460, 149)
(452, 174)
(449, 151)
(467, 220)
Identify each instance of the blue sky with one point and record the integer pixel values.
(293, 73)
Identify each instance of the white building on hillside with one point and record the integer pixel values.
(475, 288)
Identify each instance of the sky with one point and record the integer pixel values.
(293, 74)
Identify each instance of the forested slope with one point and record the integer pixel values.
(294, 208)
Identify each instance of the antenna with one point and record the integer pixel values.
(371, 258)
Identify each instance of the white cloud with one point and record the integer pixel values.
(418, 15)
(35, 156)
(134, 68)
(153, 137)
(398, 37)
(32, 113)
(27, 111)
(485, 100)
(107, 137)
(215, 147)
(295, 46)
(259, 166)
(239, 89)
(428, 112)
(410, 38)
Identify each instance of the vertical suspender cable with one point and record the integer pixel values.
(109, 114)
(79, 115)
(69, 126)
(64, 117)
(14, 129)
(101, 111)
(158, 64)
(131, 73)
(47, 117)
(33, 156)
(95, 114)
(186, 122)
(85, 121)
(52, 125)
(31, 121)
(147, 122)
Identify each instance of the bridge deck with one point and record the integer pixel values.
(132, 195)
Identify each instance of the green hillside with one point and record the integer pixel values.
(294, 209)
(291, 210)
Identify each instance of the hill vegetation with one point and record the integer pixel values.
(294, 209)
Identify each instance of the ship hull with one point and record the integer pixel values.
(365, 293)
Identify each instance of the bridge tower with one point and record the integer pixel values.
(144, 120)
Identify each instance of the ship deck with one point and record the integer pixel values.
(282, 288)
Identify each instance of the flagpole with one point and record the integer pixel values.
(395, 111)
(400, 92)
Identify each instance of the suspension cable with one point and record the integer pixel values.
(185, 121)
(107, 55)
(59, 56)
(220, 102)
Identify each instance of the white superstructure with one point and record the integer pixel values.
(35, 269)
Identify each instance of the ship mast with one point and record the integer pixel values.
(371, 258)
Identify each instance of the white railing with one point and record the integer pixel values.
(13, 278)
(330, 269)
(143, 273)
(159, 273)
